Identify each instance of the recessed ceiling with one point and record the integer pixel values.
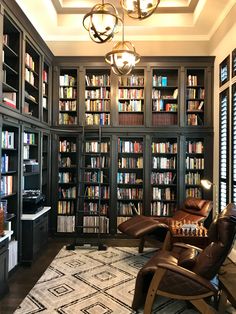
(177, 25)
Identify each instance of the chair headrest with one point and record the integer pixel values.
(197, 206)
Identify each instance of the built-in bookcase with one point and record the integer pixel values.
(234, 143)
(164, 176)
(165, 96)
(195, 167)
(224, 149)
(234, 63)
(131, 98)
(67, 183)
(32, 79)
(68, 97)
(130, 177)
(31, 159)
(195, 97)
(97, 97)
(94, 185)
(45, 93)
(224, 71)
(9, 192)
(11, 64)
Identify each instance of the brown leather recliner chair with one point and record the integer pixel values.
(152, 229)
(186, 271)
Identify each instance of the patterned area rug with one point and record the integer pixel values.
(89, 281)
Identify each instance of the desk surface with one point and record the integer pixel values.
(7, 234)
(35, 216)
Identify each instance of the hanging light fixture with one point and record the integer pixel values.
(102, 22)
(123, 56)
(139, 9)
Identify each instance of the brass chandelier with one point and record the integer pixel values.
(102, 22)
(139, 9)
(123, 56)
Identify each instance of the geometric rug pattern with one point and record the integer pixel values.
(89, 281)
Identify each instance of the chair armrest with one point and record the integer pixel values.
(188, 275)
(187, 246)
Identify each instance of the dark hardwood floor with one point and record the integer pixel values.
(24, 278)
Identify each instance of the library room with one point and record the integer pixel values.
(118, 156)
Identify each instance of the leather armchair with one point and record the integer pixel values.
(186, 271)
(153, 229)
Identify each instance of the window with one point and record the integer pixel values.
(234, 143)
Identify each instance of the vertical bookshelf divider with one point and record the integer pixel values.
(130, 177)
(131, 98)
(68, 97)
(165, 97)
(164, 176)
(11, 64)
(195, 167)
(195, 97)
(45, 167)
(97, 97)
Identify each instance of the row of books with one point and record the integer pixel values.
(125, 209)
(65, 207)
(97, 105)
(96, 147)
(45, 76)
(100, 93)
(129, 193)
(193, 93)
(130, 162)
(193, 178)
(8, 139)
(162, 94)
(192, 80)
(195, 105)
(194, 192)
(94, 224)
(195, 147)
(194, 119)
(29, 138)
(30, 97)
(29, 61)
(164, 163)
(194, 163)
(45, 102)
(129, 146)
(158, 80)
(29, 76)
(67, 92)
(166, 194)
(67, 193)
(96, 192)
(97, 162)
(162, 209)
(95, 176)
(5, 163)
(133, 105)
(128, 178)
(66, 177)
(67, 80)
(163, 177)
(133, 80)
(164, 148)
(160, 105)
(9, 98)
(65, 223)
(97, 119)
(67, 105)
(67, 146)
(92, 207)
(65, 118)
(6, 185)
(131, 93)
(136, 118)
(97, 80)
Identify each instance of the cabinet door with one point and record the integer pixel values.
(3, 266)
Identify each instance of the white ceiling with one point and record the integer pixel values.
(178, 27)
